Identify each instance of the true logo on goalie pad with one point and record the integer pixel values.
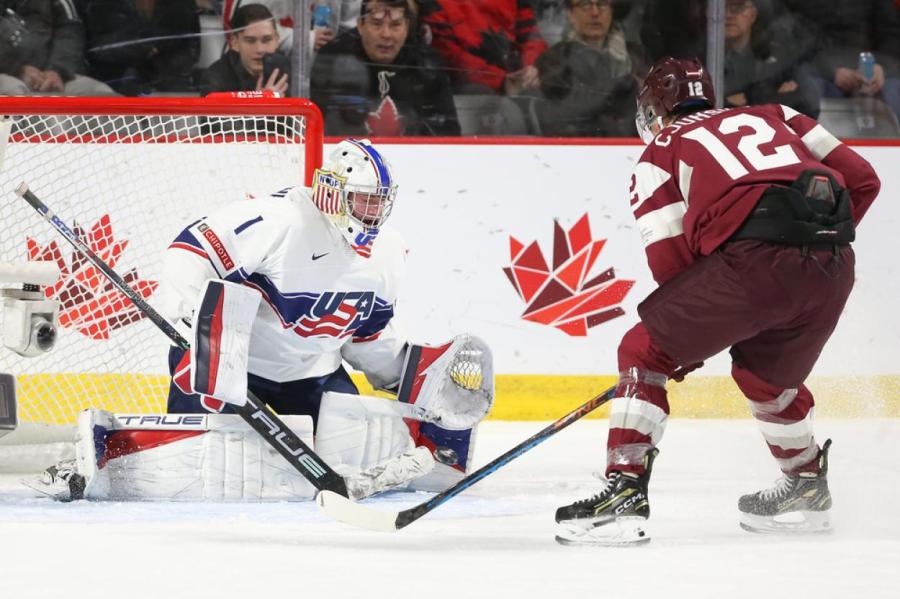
(158, 420)
(308, 462)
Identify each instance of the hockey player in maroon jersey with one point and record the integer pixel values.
(747, 215)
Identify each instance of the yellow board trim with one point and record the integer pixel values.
(540, 397)
(519, 397)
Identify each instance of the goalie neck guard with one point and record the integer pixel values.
(355, 188)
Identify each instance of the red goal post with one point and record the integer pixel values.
(129, 173)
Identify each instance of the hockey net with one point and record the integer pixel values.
(129, 174)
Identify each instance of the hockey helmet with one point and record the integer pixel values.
(671, 85)
(355, 188)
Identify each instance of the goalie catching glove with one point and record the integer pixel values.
(451, 385)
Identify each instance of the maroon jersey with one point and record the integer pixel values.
(701, 176)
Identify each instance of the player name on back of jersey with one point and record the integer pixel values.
(665, 136)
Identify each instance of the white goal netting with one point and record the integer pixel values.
(128, 174)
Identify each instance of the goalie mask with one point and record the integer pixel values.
(355, 188)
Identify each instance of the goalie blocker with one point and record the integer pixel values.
(375, 443)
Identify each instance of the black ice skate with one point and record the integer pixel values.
(61, 482)
(615, 516)
(798, 503)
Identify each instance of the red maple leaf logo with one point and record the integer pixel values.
(561, 297)
(386, 121)
(88, 302)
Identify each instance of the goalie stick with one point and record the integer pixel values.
(341, 508)
(258, 415)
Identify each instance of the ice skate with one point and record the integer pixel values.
(798, 503)
(613, 517)
(61, 482)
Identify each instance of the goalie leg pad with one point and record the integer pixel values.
(185, 457)
(357, 432)
(367, 440)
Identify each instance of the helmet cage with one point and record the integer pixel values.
(368, 205)
(645, 119)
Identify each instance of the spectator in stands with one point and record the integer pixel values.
(587, 79)
(142, 46)
(831, 34)
(42, 50)
(550, 16)
(378, 79)
(283, 12)
(673, 28)
(253, 38)
(489, 45)
(758, 67)
(555, 26)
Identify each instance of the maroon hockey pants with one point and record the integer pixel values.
(773, 305)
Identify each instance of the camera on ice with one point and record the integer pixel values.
(29, 318)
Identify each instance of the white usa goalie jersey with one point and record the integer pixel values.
(322, 301)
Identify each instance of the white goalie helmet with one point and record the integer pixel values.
(355, 188)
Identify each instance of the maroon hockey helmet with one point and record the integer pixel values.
(671, 85)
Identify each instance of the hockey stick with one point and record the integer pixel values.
(341, 508)
(258, 415)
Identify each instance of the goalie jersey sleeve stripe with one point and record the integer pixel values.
(243, 227)
(219, 250)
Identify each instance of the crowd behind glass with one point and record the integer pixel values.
(464, 67)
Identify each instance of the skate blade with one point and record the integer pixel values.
(621, 532)
(799, 523)
(55, 492)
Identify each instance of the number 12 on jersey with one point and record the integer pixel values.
(760, 132)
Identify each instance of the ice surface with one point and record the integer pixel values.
(493, 541)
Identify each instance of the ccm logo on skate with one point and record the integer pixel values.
(158, 420)
(630, 502)
(310, 464)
